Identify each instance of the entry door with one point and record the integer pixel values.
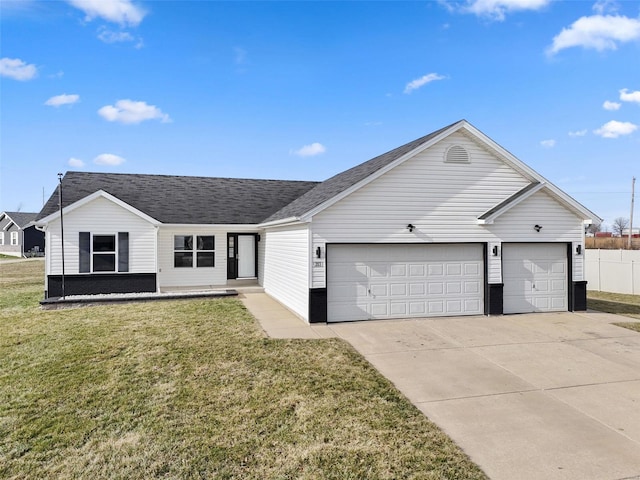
(535, 277)
(241, 255)
(246, 256)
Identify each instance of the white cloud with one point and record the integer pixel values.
(422, 81)
(310, 150)
(607, 105)
(109, 36)
(76, 162)
(63, 99)
(108, 159)
(600, 32)
(614, 129)
(627, 96)
(497, 9)
(578, 133)
(17, 69)
(548, 143)
(129, 111)
(123, 12)
(605, 6)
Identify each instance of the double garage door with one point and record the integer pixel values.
(366, 281)
(394, 281)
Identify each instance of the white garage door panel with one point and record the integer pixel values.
(535, 277)
(392, 281)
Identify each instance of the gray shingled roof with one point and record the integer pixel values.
(188, 200)
(342, 181)
(21, 219)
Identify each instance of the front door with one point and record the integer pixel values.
(241, 255)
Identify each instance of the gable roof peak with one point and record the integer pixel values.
(330, 189)
(21, 219)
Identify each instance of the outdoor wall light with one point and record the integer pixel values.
(537, 227)
(318, 252)
(495, 250)
(410, 227)
(578, 249)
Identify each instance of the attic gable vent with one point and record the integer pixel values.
(457, 154)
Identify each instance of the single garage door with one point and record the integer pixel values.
(535, 277)
(367, 281)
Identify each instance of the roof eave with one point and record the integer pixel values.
(282, 222)
(228, 226)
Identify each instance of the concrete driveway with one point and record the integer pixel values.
(540, 396)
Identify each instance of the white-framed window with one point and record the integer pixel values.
(14, 238)
(186, 248)
(1, 238)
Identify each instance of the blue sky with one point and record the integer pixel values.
(304, 90)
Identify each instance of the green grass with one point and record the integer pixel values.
(618, 303)
(192, 389)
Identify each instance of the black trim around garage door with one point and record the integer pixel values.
(317, 305)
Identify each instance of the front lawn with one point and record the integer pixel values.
(619, 303)
(192, 389)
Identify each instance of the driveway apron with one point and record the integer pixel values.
(540, 396)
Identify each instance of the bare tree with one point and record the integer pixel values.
(594, 228)
(619, 224)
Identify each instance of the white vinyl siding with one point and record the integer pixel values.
(558, 225)
(286, 267)
(171, 276)
(101, 217)
(443, 201)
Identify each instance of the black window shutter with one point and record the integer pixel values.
(85, 252)
(123, 251)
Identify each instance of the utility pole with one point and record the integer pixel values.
(633, 186)
(61, 227)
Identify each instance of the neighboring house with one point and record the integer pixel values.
(18, 235)
(449, 224)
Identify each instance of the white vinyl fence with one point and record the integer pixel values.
(615, 271)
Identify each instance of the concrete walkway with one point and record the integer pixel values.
(528, 397)
(279, 322)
